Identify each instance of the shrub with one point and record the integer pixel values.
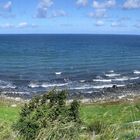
(53, 120)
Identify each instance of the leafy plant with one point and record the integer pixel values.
(48, 117)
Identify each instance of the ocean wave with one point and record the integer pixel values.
(82, 81)
(58, 73)
(81, 87)
(111, 71)
(112, 75)
(134, 78)
(45, 85)
(102, 80)
(95, 87)
(6, 85)
(136, 72)
(121, 79)
(34, 85)
(16, 92)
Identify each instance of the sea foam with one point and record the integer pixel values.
(45, 85)
(136, 72)
(134, 78)
(112, 75)
(95, 87)
(34, 85)
(6, 85)
(121, 79)
(102, 80)
(58, 73)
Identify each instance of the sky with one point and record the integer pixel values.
(70, 16)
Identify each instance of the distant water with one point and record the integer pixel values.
(81, 63)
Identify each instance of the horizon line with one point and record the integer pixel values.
(67, 34)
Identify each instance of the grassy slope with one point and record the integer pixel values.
(109, 113)
(115, 113)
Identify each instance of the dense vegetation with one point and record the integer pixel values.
(54, 120)
(49, 117)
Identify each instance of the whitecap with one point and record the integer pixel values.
(58, 73)
(89, 92)
(112, 75)
(136, 72)
(121, 79)
(92, 87)
(4, 85)
(120, 85)
(95, 87)
(102, 80)
(45, 85)
(82, 81)
(111, 71)
(8, 86)
(103, 86)
(81, 87)
(33, 85)
(134, 78)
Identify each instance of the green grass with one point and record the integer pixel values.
(116, 115)
(111, 113)
(8, 114)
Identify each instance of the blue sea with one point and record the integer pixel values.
(31, 64)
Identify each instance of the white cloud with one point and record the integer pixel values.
(58, 13)
(42, 9)
(7, 6)
(98, 13)
(99, 23)
(23, 25)
(82, 2)
(26, 25)
(100, 8)
(104, 5)
(131, 4)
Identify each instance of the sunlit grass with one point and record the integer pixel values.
(116, 120)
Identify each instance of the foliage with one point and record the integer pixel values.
(5, 131)
(97, 126)
(48, 117)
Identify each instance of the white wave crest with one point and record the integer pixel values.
(45, 85)
(82, 81)
(102, 80)
(34, 85)
(136, 72)
(112, 75)
(58, 73)
(121, 79)
(134, 78)
(95, 87)
(111, 71)
(6, 85)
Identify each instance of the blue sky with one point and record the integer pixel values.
(70, 16)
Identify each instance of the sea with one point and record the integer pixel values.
(80, 63)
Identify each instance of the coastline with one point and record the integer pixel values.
(107, 95)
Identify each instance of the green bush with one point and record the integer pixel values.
(49, 118)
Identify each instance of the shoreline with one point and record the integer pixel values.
(115, 94)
